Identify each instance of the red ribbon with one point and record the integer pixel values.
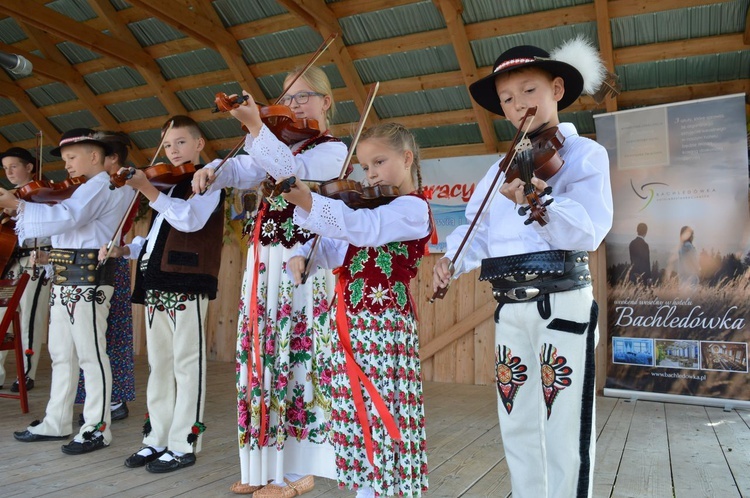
(357, 376)
(254, 325)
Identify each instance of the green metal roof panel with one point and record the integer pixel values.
(120, 4)
(221, 128)
(486, 10)
(204, 97)
(407, 64)
(7, 107)
(131, 110)
(679, 24)
(77, 119)
(281, 44)
(53, 93)
(422, 102)
(487, 50)
(388, 23)
(190, 63)
(78, 10)
(685, 71)
(438, 136)
(75, 53)
(146, 139)
(233, 12)
(152, 31)
(110, 80)
(346, 112)
(10, 31)
(17, 132)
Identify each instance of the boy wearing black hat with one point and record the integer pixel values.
(546, 318)
(20, 166)
(80, 293)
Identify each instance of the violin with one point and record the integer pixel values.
(163, 176)
(278, 118)
(352, 193)
(539, 158)
(49, 192)
(8, 240)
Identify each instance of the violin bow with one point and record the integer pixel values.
(521, 133)
(313, 58)
(39, 160)
(345, 167)
(121, 225)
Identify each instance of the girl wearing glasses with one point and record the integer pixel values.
(284, 339)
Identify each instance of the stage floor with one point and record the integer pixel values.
(644, 449)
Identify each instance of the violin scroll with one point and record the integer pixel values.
(225, 104)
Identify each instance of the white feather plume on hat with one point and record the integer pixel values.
(583, 56)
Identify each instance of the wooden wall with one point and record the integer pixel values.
(456, 334)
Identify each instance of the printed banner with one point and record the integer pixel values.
(677, 254)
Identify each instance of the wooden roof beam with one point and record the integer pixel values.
(208, 32)
(154, 79)
(27, 108)
(319, 16)
(75, 82)
(68, 29)
(706, 45)
(604, 32)
(452, 15)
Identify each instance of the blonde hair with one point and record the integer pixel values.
(318, 81)
(399, 138)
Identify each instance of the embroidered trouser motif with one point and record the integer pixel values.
(545, 380)
(176, 390)
(78, 323)
(34, 313)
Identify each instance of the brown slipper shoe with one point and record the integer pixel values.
(243, 489)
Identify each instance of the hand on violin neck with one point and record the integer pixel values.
(8, 200)
(514, 190)
(249, 116)
(299, 194)
(140, 182)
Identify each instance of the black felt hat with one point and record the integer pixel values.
(20, 153)
(80, 136)
(523, 56)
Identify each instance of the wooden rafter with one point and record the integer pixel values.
(68, 29)
(154, 79)
(604, 32)
(27, 108)
(320, 17)
(212, 34)
(75, 82)
(452, 15)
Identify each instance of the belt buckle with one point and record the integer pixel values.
(522, 293)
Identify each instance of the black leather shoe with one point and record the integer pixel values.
(176, 463)
(136, 460)
(121, 412)
(79, 448)
(29, 385)
(29, 437)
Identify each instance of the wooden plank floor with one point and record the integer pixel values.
(644, 449)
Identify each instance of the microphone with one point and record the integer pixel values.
(16, 64)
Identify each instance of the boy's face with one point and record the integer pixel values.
(182, 147)
(519, 90)
(83, 160)
(17, 172)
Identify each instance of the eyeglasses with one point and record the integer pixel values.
(299, 97)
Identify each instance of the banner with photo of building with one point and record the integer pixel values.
(677, 254)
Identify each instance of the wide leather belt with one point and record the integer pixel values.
(79, 267)
(25, 252)
(529, 277)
